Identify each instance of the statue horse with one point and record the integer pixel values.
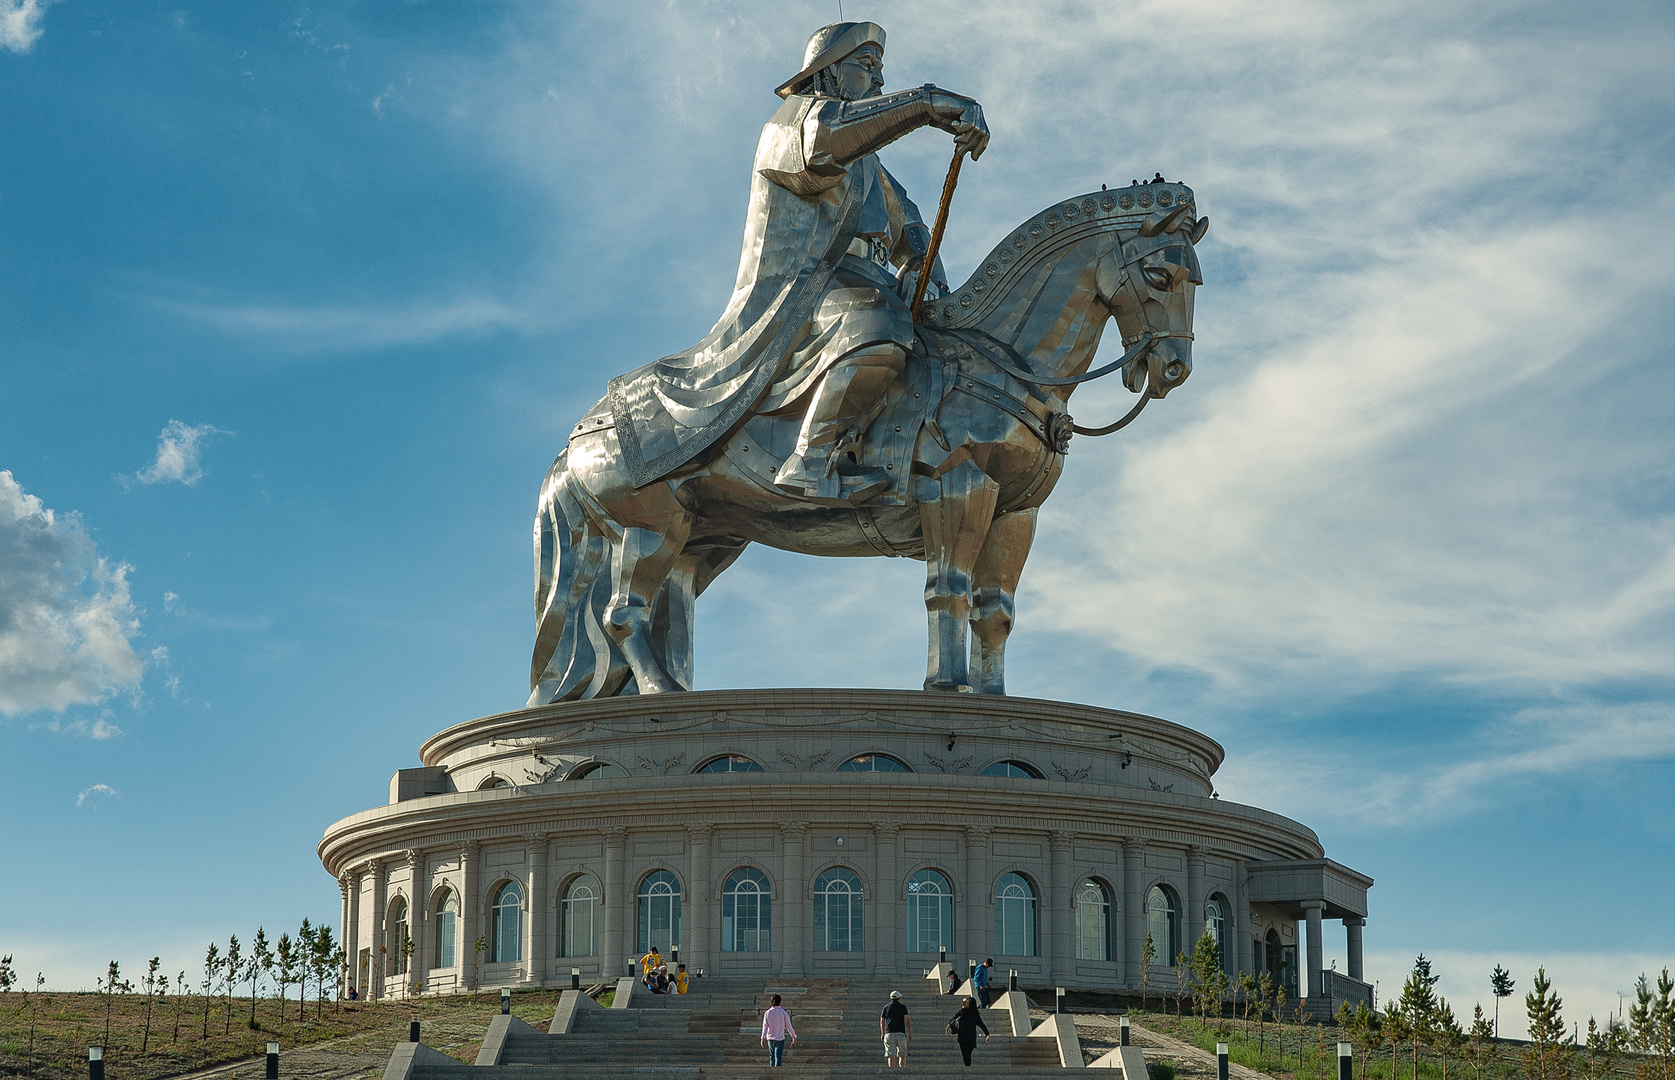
(974, 432)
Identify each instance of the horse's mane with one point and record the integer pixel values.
(1042, 237)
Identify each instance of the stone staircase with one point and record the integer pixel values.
(715, 1031)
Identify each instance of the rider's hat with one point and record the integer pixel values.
(829, 45)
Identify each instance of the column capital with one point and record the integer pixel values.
(1134, 845)
(976, 834)
(469, 849)
(793, 831)
(1061, 838)
(1355, 920)
(614, 834)
(886, 831)
(700, 831)
(1195, 851)
(343, 885)
(536, 838)
(1313, 905)
(414, 856)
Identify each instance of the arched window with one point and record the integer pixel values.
(1014, 916)
(746, 912)
(1215, 924)
(494, 782)
(930, 912)
(599, 770)
(730, 763)
(1093, 921)
(1163, 924)
(397, 921)
(837, 911)
(659, 912)
(443, 931)
(506, 925)
(577, 910)
(873, 763)
(1020, 770)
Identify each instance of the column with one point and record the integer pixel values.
(1061, 916)
(345, 937)
(1193, 924)
(1311, 912)
(1119, 921)
(418, 920)
(470, 905)
(352, 933)
(380, 933)
(1352, 930)
(790, 936)
(975, 930)
(1241, 920)
(1134, 908)
(884, 937)
(698, 920)
(540, 906)
(613, 958)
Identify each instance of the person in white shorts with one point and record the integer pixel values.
(897, 1029)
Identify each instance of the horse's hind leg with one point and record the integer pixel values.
(955, 525)
(641, 562)
(995, 586)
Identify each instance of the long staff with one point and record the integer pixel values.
(936, 235)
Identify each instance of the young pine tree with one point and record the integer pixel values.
(1209, 981)
(1449, 1037)
(233, 972)
(1480, 1043)
(1265, 989)
(285, 967)
(1500, 984)
(305, 959)
(1652, 1027)
(1418, 1005)
(150, 985)
(1604, 1045)
(212, 971)
(1247, 997)
(1370, 1034)
(1398, 1030)
(324, 962)
(261, 959)
(182, 992)
(1544, 1060)
(1148, 956)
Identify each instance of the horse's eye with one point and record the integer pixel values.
(1158, 277)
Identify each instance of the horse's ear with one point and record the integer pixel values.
(1159, 223)
(1198, 230)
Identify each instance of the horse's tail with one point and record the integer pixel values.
(573, 658)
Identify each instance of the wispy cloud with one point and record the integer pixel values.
(99, 729)
(20, 23)
(344, 329)
(98, 789)
(67, 621)
(180, 450)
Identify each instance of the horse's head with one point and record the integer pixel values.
(1148, 282)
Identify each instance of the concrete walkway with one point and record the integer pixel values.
(1102, 1031)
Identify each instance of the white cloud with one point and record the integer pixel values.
(180, 450)
(66, 618)
(99, 729)
(20, 23)
(98, 789)
(345, 329)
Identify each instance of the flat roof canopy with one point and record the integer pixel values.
(1286, 883)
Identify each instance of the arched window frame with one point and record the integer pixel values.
(658, 903)
(578, 916)
(872, 758)
(838, 921)
(493, 782)
(598, 769)
(1093, 920)
(506, 923)
(1163, 923)
(747, 911)
(1216, 911)
(396, 921)
(737, 763)
(444, 931)
(1015, 899)
(930, 913)
(1010, 768)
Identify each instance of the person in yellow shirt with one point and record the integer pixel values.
(651, 961)
(680, 979)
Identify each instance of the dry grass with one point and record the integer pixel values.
(66, 1024)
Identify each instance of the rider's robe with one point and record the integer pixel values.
(801, 301)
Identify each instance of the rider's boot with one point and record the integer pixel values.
(825, 466)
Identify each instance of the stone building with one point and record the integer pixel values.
(828, 832)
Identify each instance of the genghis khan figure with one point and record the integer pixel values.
(817, 323)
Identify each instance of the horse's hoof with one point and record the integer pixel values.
(948, 687)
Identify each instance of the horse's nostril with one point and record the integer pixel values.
(1175, 371)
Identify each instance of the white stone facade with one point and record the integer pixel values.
(501, 834)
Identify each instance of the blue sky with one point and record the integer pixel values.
(297, 303)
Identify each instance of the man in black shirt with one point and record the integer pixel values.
(897, 1030)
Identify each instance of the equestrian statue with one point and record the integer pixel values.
(839, 408)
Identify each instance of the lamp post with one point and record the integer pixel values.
(1346, 1061)
(505, 1001)
(575, 978)
(1058, 1004)
(273, 1061)
(1012, 979)
(95, 1063)
(1221, 1061)
(1123, 1022)
(413, 1030)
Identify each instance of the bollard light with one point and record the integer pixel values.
(970, 969)
(273, 1061)
(630, 969)
(1124, 1023)
(1058, 998)
(413, 1030)
(575, 978)
(95, 1063)
(1346, 1061)
(674, 956)
(505, 1001)
(1012, 980)
(1221, 1061)
(942, 954)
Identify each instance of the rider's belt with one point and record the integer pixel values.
(875, 248)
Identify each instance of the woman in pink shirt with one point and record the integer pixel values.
(776, 1025)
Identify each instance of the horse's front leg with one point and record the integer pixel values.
(955, 524)
(640, 563)
(999, 566)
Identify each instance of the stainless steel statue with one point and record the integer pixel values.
(818, 417)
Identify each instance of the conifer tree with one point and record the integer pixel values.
(1450, 1038)
(1480, 1046)
(1418, 1005)
(212, 970)
(1247, 994)
(1264, 994)
(261, 959)
(1398, 1030)
(8, 974)
(1209, 981)
(1148, 956)
(1500, 983)
(1652, 1027)
(305, 958)
(234, 972)
(150, 985)
(182, 991)
(1370, 1029)
(285, 967)
(1604, 1045)
(1544, 1060)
